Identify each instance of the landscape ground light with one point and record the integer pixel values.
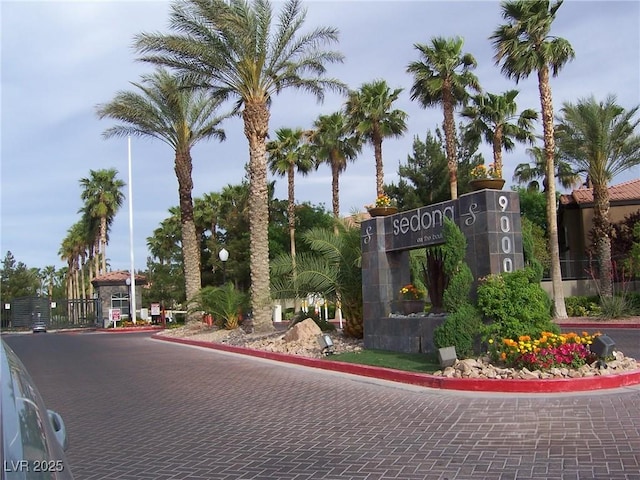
(447, 356)
(603, 346)
(326, 343)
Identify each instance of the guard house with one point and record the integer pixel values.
(113, 291)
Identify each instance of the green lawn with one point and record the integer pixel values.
(410, 362)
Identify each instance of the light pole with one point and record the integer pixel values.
(132, 299)
(224, 256)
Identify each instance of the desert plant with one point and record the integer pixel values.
(224, 303)
(615, 306)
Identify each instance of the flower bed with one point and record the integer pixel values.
(551, 350)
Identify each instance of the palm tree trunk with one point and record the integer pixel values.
(335, 187)
(450, 141)
(83, 287)
(90, 263)
(96, 257)
(69, 291)
(76, 296)
(377, 151)
(335, 192)
(103, 243)
(497, 150)
(291, 212)
(256, 128)
(560, 310)
(602, 239)
(190, 245)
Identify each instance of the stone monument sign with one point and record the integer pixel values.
(490, 221)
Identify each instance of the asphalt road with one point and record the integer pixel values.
(138, 408)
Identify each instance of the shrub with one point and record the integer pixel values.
(456, 294)
(514, 305)
(582, 306)
(460, 329)
(458, 273)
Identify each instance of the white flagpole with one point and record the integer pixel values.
(132, 294)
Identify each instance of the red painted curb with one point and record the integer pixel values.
(559, 385)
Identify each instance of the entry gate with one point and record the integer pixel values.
(56, 313)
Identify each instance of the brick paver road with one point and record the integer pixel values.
(138, 408)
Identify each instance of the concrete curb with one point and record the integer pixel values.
(130, 329)
(560, 385)
(598, 326)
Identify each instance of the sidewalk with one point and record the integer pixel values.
(597, 322)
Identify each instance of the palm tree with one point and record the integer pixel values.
(166, 239)
(491, 118)
(72, 250)
(66, 252)
(442, 77)
(330, 267)
(91, 227)
(233, 48)
(49, 277)
(523, 45)
(370, 114)
(207, 212)
(103, 197)
(286, 156)
(600, 140)
(529, 172)
(165, 109)
(333, 142)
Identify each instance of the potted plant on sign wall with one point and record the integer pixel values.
(483, 177)
(411, 299)
(384, 205)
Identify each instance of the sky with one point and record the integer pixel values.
(61, 59)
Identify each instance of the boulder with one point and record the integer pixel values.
(303, 331)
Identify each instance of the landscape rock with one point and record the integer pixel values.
(303, 331)
(482, 368)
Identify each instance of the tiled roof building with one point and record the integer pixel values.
(575, 221)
